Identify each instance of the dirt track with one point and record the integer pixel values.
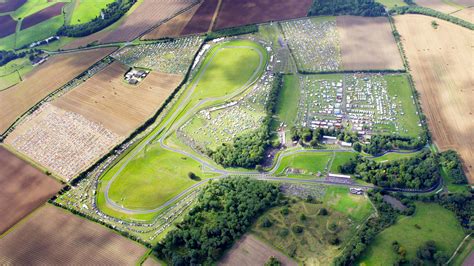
(43, 80)
(53, 236)
(442, 67)
(367, 43)
(251, 251)
(108, 100)
(23, 188)
(236, 13)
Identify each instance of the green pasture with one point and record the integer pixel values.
(412, 232)
(357, 207)
(340, 159)
(308, 162)
(13, 71)
(33, 6)
(289, 96)
(450, 185)
(86, 10)
(311, 246)
(391, 3)
(394, 156)
(399, 85)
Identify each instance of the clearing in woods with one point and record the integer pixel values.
(250, 250)
(52, 235)
(43, 80)
(367, 43)
(421, 227)
(108, 100)
(23, 188)
(442, 73)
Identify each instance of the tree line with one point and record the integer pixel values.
(110, 14)
(418, 172)
(224, 211)
(366, 8)
(232, 32)
(411, 9)
(248, 150)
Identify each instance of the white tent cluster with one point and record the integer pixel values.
(169, 57)
(315, 44)
(360, 102)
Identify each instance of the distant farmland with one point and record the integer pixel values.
(237, 13)
(201, 20)
(42, 15)
(10, 5)
(8, 26)
(23, 188)
(54, 236)
(442, 70)
(367, 43)
(43, 80)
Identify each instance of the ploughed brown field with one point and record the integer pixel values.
(201, 20)
(237, 13)
(465, 3)
(172, 27)
(251, 251)
(108, 100)
(10, 5)
(8, 26)
(442, 67)
(53, 236)
(146, 16)
(23, 188)
(43, 80)
(45, 14)
(367, 43)
(438, 5)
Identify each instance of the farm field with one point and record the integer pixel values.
(23, 188)
(108, 100)
(439, 5)
(45, 79)
(202, 18)
(238, 13)
(64, 142)
(52, 235)
(367, 44)
(391, 3)
(467, 14)
(8, 26)
(442, 76)
(86, 10)
(250, 250)
(421, 227)
(173, 27)
(33, 6)
(12, 5)
(311, 246)
(13, 72)
(169, 57)
(43, 15)
(148, 14)
(366, 103)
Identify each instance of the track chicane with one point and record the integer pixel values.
(45, 14)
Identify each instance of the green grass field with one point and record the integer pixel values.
(446, 234)
(33, 6)
(156, 175)
(399, 85)
(340, 159)
(86, 10)
(393, 156)
(310, 247)
(11, 73)
(356, 207)
(307, 162)
(391, 3)
(287, 106)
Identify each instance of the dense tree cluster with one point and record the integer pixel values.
(381, 143)
(418, 172)
(461, 204)
(366, 8)
(7, 56)
(224, 211)
(110, 14)
(248, 150)
(313, 137)
(232, 32)
(432, 13)
(452, 164)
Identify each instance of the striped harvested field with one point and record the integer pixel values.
(53, 236)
